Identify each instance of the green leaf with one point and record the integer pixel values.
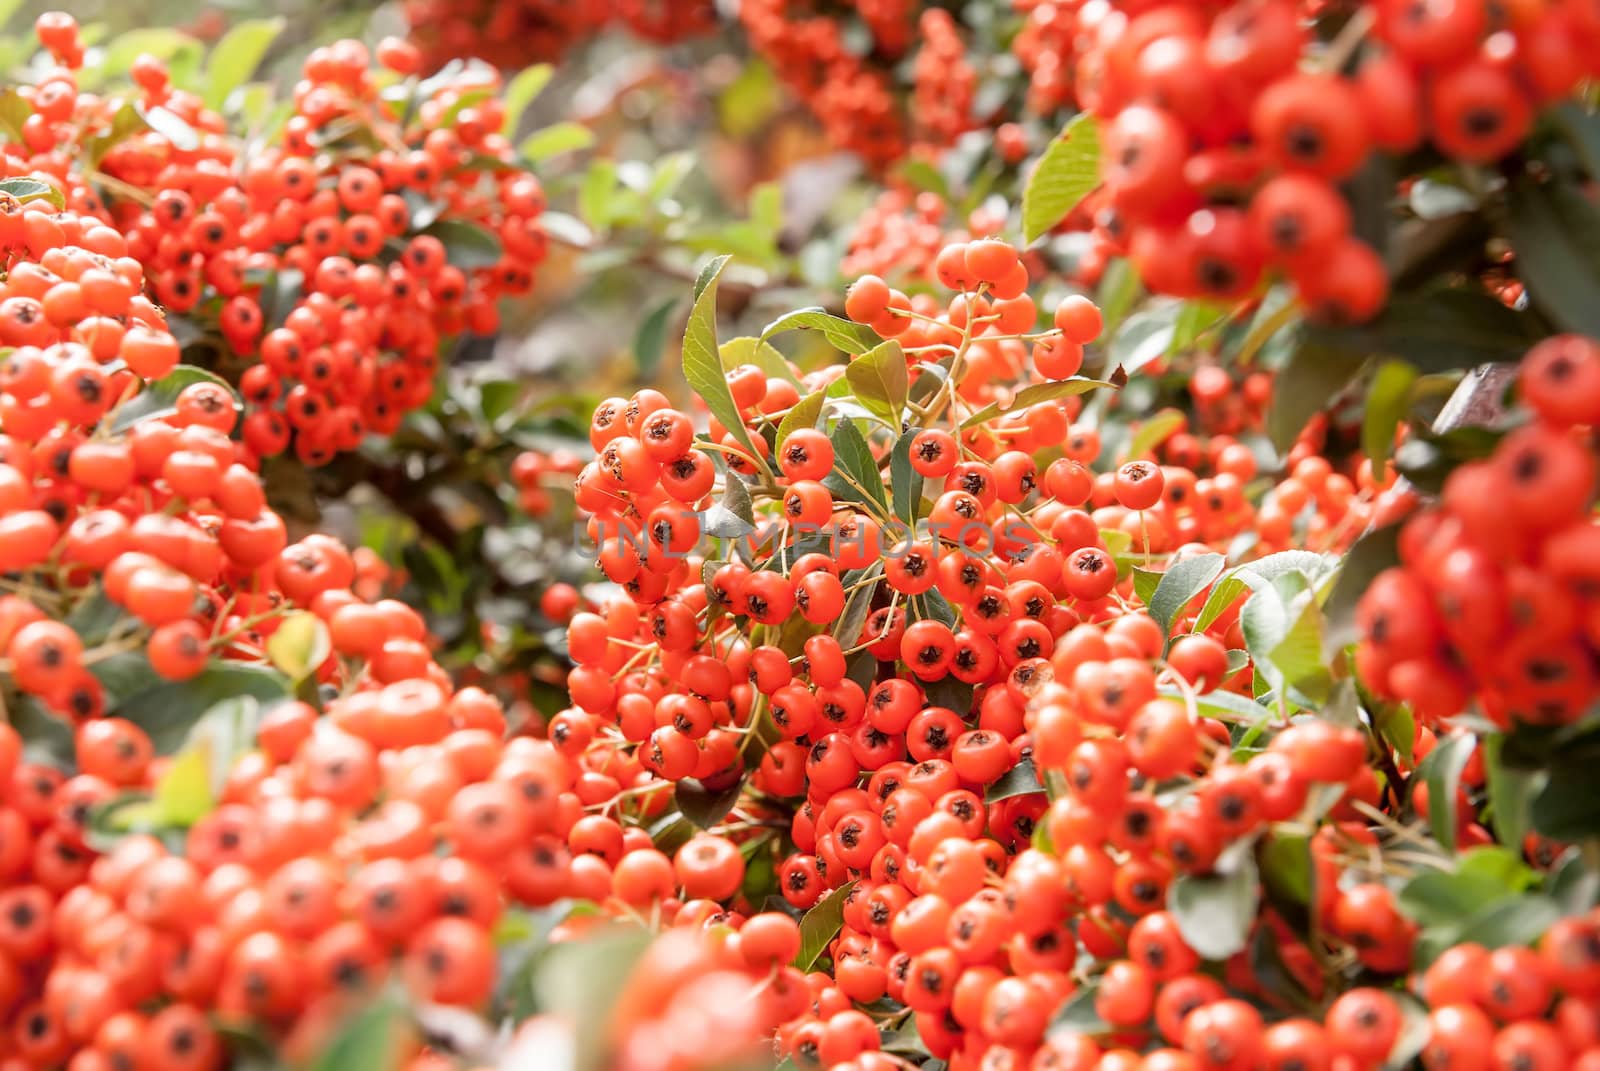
(235, 58)
(299, 645)
(226, 731)
(766, 209)
(1194, 319)
(1021, 780)
(1285, 866)
(764, 355)
(1372, 554)
(880, 380)
(1511, 792)
(1065, 175)
(466, 245)
(702, 365)
(1078, 1015)
(1443, 329)
(1145, 582)
(169, 710)
(905, 482)
(30, 189)
(1119, 288)
(1575, 884)
(852, 456)
(14, 112)
(1298, 655)
(1181, 583)
(183, 794)
(842, 334)
(803, 414)
(701, 805)
(1397, 726)
(1224, 705)
(596, 194)
(847, 630)
(922, 175)
(1155, 431)
(1555, 229)
(160, 398)
(820, 926)
(579, 981)
(1316, 373)
(1441, 770)
(1145, 336)
(172, 127)
(1568, 807)
(1519, 921)
(1451, 898)
(1387, 400)
(1580, 127)
(522, 91)
(1433, 199)
(651, 339)
(1214, 913)
(372, 1038)
(553, 140)
(1031, 396)
(732, 517)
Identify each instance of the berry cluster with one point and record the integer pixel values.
(1222, 150)
(1491, 602)
(901, 233)
(943, 81)
(332, 280)
(514, 35)
(849, 94)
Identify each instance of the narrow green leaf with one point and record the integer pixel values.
(1021, 780)
(160, 398)
(1078, 1015)
(466, 245)
(1214, 912)
(31, 189)
(1031, 396)
(520, 92)
(596, 193)
(1154, 431)
(842, 334)
(880, 380)
(563, 137)
(1065, 175)
(299, 645)
(1511, 792)
(1371, 555)
(235, 58)
(1387, 400)
(1555, 229)
(702, 365)
(852, 456)
(703, 806)
(169, 710)
(847, 630)
(651, 339)
(1441, 770)
(1145, 336)
(905, 482)
(372, 1038)
(1181, 583)
(1315, 375)
(764, 355)
(803, 414)
(183, 794)
(820, 926)
(734, 516)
